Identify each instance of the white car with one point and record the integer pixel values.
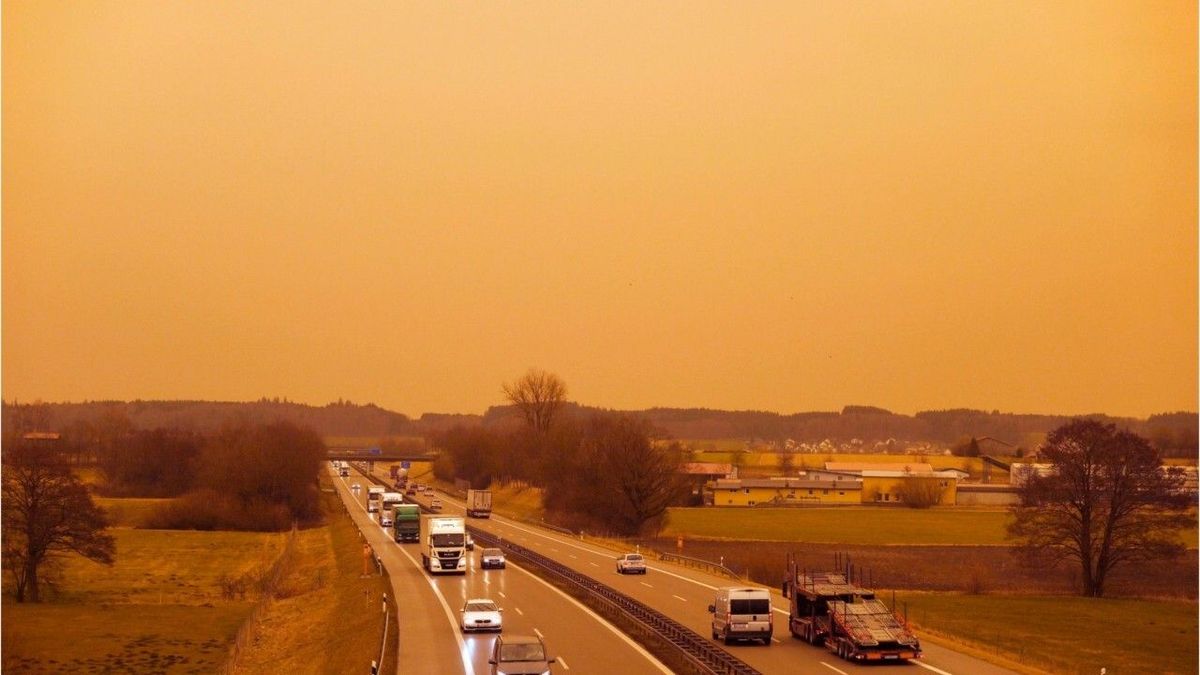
(631, 563)
(481, 614)
(491, 557)
(435, 504)
(385, 518)
(355, 488)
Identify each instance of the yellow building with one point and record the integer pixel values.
(783, 491)
(938, 488)
(831, 488)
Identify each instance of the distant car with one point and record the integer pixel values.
(519, 654)
(491, 557)
(435, 505)
(480, 614)
(385, 518)
(428, 489)
(355, 488)
(410, 490)
(631, 563)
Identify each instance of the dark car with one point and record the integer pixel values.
(519, 655)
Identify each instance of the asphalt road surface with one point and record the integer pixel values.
(429, 606)
(684, 595)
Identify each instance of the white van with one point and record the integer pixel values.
(742, 614)
(385, 518)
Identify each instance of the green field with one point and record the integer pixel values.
(159, 608)
(1065, 634)
(873, 525)
(843, 525)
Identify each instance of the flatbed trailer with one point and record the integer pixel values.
(825, 608)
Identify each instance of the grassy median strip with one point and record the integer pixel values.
(1064, 634)
(327, 618)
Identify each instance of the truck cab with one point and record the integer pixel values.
(444, 546)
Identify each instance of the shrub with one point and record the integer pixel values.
(212, 510)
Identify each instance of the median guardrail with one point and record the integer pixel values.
(698, 651)
(699, 563)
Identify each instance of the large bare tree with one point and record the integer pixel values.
(1106, 500)
(539, 395)
(47, 512)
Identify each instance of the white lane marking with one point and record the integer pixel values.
(926, 666)
(518, 610)
(487, 582)
(646, 584)
(468, 667)
(573, 556)
(502, 594)
(599, 619)
(539, 633)
(554, 549)
(834, 669)
(606, 554)
(562, 663)
(775, 640)
(685, 600)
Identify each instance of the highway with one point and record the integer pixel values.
(684, 595)
(430, 639)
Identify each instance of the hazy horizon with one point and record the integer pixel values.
(769, 206)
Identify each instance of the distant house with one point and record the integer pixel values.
(698, 474)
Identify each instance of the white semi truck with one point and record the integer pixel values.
(444, 545)
(479, 503)
(374, 497)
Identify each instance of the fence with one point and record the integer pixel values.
(270, 585)
(699, 563)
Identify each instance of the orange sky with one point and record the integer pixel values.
(783, 206)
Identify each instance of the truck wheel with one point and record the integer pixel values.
(728, 640)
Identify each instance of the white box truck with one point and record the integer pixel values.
(374, 497)
(443, 546)
(479, 503)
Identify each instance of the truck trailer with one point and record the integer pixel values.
(479, 503)
(406, 522)
(825, 608)
(374, 497)
(443, 548)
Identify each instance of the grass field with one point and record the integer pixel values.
(129, 512)
(159, 608)
(1066, 634)
(955, 526)
(322, 595)
(517, 501)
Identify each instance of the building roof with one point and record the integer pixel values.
(786, 483)
(911, 474)
(707, 468)
(914, 467)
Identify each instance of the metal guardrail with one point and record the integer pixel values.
(699, 563)
(694, 648)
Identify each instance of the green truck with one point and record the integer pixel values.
(406, 522)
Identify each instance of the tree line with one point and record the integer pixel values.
(604, 472)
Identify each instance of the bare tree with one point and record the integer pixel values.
(538, 395)
(1106, 501)
(47, 512)
(628, 477)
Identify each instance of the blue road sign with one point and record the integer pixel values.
(374, 451)
(405, 464)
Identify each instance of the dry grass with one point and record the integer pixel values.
(517, 501)
(159, 608)
(1066, 634)
(322, 594)
(129, 512)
